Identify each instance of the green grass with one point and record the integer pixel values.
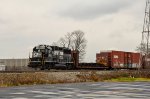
(129, 79)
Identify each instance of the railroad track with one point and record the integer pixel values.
(34, 71)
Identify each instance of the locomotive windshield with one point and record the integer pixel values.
(41, 49)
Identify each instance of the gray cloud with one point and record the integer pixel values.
(94, 8)
(3, 21)
(107, 24)
(116, 35)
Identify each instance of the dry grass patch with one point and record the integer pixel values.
(130, 75)
(88, 76)
(16, 79)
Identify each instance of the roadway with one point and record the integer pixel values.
(107, 90)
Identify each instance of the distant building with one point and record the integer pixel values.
(16, 64)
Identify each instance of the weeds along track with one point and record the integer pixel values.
(35, 71)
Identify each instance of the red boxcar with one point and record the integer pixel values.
(103, 58)
(128, 60)
(118, 59)
(136, 60)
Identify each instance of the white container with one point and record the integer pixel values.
(135, 65)
(2, 67)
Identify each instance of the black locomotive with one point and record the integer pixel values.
(53, 57)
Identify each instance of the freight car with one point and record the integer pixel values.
(119, 59)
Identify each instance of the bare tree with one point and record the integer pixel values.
(79, 43)
(62, 42)
(68, 38)
(142, 48)
(76, 41)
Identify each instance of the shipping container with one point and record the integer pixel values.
(119, 59)
(128, 59)
(103, 58)
(136, 60)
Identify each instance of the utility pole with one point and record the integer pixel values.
(145, 35)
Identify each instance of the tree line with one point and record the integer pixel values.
(75, 41)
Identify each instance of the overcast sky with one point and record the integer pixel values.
(108, 24)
